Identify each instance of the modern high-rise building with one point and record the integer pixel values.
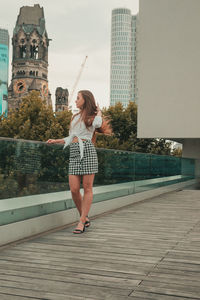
(4, 61)
(123, 52)
(133, 60)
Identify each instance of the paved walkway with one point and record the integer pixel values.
(149, 250)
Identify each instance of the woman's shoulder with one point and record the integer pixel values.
(76, 116)
(92, 117)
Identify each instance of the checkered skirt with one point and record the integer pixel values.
(88, 164)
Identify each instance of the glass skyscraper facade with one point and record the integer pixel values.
(4, 61)
(133, 60)
(123, 50)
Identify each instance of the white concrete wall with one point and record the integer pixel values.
(168, 69)
(191, 148)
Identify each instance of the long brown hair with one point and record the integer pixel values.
(89, 109)
(88, 113)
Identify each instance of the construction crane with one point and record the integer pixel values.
(76, 82)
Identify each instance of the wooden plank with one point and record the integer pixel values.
(64, 288)
(48, 248)
(87, 255)
(192, 279)
(172, 289)
(14, 297)
(156, 296)
(132, 268)
(24, 294)
(175, 272)
(179, 266)
(89, 279)
(70, 271)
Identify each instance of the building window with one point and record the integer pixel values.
(34, 49)
(21, 73)
(22, 50)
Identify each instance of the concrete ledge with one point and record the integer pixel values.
(22, 208)
(27, 228)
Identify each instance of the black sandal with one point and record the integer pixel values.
(87, 223)
(79, 231)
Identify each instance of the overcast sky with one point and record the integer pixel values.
(77, 28)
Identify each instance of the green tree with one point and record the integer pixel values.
(177, 152)
(123, 121)
(124, 125)
(34, 120)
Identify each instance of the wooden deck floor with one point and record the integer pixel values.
(149, 250)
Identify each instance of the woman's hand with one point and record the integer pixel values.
(58, 141)
(98, 110)
(51, 141)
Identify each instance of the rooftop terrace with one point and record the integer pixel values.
(148, 250)
(143, 242)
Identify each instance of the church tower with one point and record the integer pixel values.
(61, 99)
(30, 56)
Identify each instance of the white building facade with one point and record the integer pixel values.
(122, 69)
(168, 72)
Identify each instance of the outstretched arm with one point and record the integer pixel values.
(58, 141)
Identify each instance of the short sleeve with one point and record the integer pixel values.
(97, 122)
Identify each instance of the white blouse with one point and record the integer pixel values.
(79, 130)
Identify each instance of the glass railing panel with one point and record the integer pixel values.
(142, 171)
(188, 167)
(163, 166)
(153, 171)
(31, 168)
(172, 166)
(157, 166)
(28, 168)
(115, 167)
(142, 166)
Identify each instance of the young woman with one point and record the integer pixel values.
(83, 160)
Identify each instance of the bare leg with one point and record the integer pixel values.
(74, 183)
(88, 195)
